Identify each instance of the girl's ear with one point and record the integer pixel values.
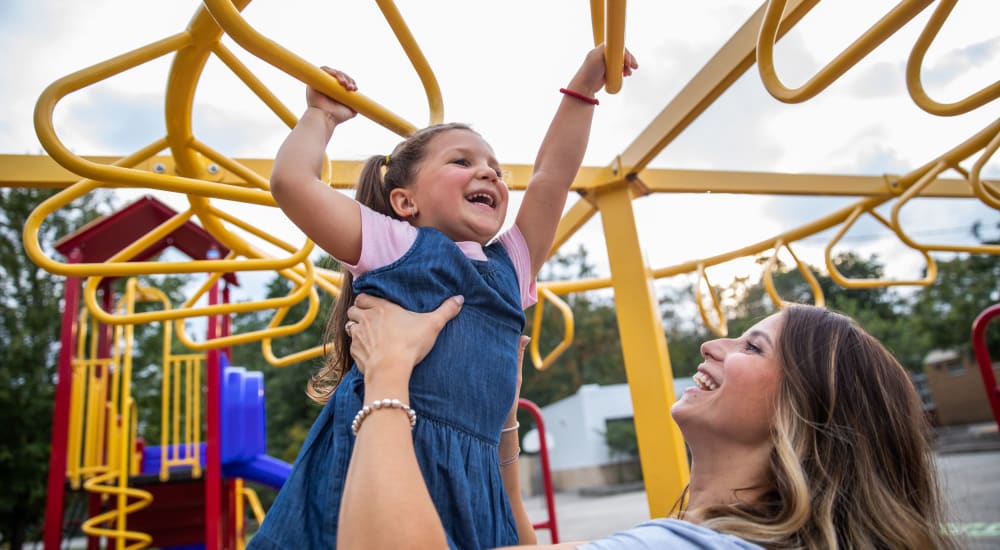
(402, 202)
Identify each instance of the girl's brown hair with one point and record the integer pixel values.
(852, 464)
(379, 176)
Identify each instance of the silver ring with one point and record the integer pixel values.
(348, 326)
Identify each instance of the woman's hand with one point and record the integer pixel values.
(388, 341)
(337, 111)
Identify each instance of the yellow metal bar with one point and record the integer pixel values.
(116, 174)
(614, 50)
(871, 39)
(254, 84)
(405, 38)
(915, 62)
(258, 510)
(597, 20)
(734, 59)
(229, 18)
(987, 192)
(41, 171)
(845, 282)
(719, 328)
(248, 177)
(644, 349)
(807, 274)
(536, 329)
(914, 191)
(770, 183)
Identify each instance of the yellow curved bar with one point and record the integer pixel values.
(272, 331)
(92, 526)
(720, 329)
(916, 60)
(303, 288)
(807, 274)
(432, 90)
(914, 191)
(229, 18)
(536, 329)
(871, 39)
(330, 282)
(614, 50)
(116, 267)
(985, 191)
(872, 283)
(258, 510)
(597, 20)
(108, 174)
(218, 266)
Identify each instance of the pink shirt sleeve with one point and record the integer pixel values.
(517, 248)
(383, 241)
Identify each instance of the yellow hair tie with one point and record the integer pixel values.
(387, 160)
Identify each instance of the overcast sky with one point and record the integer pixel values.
(500, 65)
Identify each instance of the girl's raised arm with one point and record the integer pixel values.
(330, 218)
(561, 154)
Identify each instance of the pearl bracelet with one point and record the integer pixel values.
(382, 404)
(511, 428)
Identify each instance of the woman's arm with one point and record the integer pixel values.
(328, 217)
(385, 504)
(560, 156)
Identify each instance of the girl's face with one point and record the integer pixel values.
(458, 188)
(735, 388)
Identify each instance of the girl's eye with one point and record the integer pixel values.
(499, 172)
(749, 347)
(460, 162)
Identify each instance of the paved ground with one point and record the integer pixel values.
(968, 463)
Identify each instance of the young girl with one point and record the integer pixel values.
(421, 230)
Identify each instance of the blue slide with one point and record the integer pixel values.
(244, 439)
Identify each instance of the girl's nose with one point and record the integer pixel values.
(487, 173)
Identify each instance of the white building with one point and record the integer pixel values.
(575, 428)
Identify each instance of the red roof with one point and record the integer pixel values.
(104, 237)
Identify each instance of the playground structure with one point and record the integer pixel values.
(193, 168)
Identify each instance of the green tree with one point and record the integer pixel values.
(595, 354)
(945, 310)
(30, 320)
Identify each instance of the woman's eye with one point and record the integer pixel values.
(749, 347)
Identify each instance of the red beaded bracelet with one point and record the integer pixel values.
(581, 97)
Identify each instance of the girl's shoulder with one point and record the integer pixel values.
(670, 533)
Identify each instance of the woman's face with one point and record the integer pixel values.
(735, 388)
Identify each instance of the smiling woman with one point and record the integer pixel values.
(805, 432)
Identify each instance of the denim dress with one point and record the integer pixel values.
(462, 392)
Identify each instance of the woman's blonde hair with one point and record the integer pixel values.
(852, 464)
(379, 176)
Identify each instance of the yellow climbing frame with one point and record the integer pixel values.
(181, 163)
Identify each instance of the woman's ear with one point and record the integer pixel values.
(403, 203)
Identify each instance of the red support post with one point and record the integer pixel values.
(983, 357)
(543, 453)
(213, 441)
(54, 504)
